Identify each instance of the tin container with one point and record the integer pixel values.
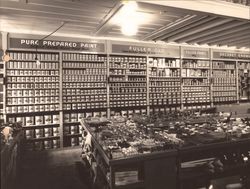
(29, 120)
(20, 109)
(47, 119)
(39, 120)
(55, 131)
(55, 119)
(25, 108)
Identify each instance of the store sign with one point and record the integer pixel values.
(193, 53)
(231, 55)
(135, 49)
(55, 45)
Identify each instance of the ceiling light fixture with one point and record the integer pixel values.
(128, 18)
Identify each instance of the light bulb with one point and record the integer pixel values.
(129, 29)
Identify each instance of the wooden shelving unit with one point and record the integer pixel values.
(164, 83)
(127, 83)
(32, 96)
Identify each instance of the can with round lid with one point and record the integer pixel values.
(47, 119)
(55, 131)
(56, 119)
(29, 120)
(25, 108)
(42, 108)
(38, 120)
(20, 109)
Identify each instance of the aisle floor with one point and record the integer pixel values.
(59, 169)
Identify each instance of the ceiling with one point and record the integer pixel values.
(98, 18)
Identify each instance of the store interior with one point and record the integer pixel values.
(137, 94)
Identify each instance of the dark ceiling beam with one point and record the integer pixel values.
(184, 27)
(171, 26)
(228, 42)
(220, 28)
(199, 28)
(218, 35)
(234, 40)
(242, 44)
(228, 37)
(88, 8)
(31, 8)
(104, 23)
(48, 16)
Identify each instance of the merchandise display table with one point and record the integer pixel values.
(151, 170)
(169, 160)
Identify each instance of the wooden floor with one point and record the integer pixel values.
(57, 169)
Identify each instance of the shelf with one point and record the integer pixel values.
(127, 81)
(34, 69)
(128, 93)
(177, 86)
(95, 74)
(164, 105)
(71, 123)
(34, 88)
(84, 81)
(81, 68)
(128, 86)
(166, 77)
(33, 96)
(116, 75)
(221, 85)
(52, 61)
(114, 68)
(223, 69)
(195, 91)
(196, 85)
(92, 61)
(87, 88)
(134, 75)
(8, 105)
(170, 67)
(33, 76)
(142, 69)
(33, 113)
(196, 103)
(224, 90)
(73, 135)
(35, 82)
(224, 96)
(195, 77)
(89, 101)
(42, 138)
(115, 100)
(201, 68)
(85, 94)
(41, 126)
(84, 110)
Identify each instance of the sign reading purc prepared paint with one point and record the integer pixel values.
(56, 45)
